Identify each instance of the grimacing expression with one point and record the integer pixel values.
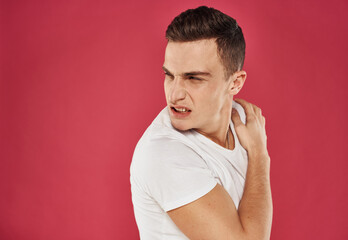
(195, 85)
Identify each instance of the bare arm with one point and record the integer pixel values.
(255, 209)
(214, 216)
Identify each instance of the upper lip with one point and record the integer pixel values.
(180, 106)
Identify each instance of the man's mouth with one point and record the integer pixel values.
(180, 109)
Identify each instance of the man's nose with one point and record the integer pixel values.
(178, 91)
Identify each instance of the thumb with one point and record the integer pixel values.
(236, 118)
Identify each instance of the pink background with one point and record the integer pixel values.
(81, 81)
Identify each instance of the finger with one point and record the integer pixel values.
(249, 110)
(263, 121)
(257, 110)
(236, 118)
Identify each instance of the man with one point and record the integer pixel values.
(196, 174)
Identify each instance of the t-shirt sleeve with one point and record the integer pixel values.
(173, 174)
(240, 110)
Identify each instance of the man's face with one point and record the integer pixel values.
(195, 85)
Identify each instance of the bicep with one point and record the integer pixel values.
(213, 216)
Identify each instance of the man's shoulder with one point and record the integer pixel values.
(161, 133)
(162, 145)
(160, 127)
(159, 153)
(161, 142)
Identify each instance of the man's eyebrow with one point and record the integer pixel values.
(189, 73)
(197, 73)
(166, 70)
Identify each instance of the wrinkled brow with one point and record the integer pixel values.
(193, 73)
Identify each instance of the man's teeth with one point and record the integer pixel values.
(181, 109)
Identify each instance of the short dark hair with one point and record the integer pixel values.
(208, 23)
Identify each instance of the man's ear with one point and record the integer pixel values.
(238, 79)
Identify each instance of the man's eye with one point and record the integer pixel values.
(194, 78)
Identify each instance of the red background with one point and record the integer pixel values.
(81, 81)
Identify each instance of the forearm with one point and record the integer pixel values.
(255, 209)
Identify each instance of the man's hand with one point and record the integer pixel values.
(251, 135)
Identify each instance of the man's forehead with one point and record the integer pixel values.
(200, 56)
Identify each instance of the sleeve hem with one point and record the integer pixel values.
(188, 199)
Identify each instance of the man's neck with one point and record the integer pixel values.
(218, 134)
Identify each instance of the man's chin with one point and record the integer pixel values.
(180, 126)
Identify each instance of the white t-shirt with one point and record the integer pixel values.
(171, 168)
